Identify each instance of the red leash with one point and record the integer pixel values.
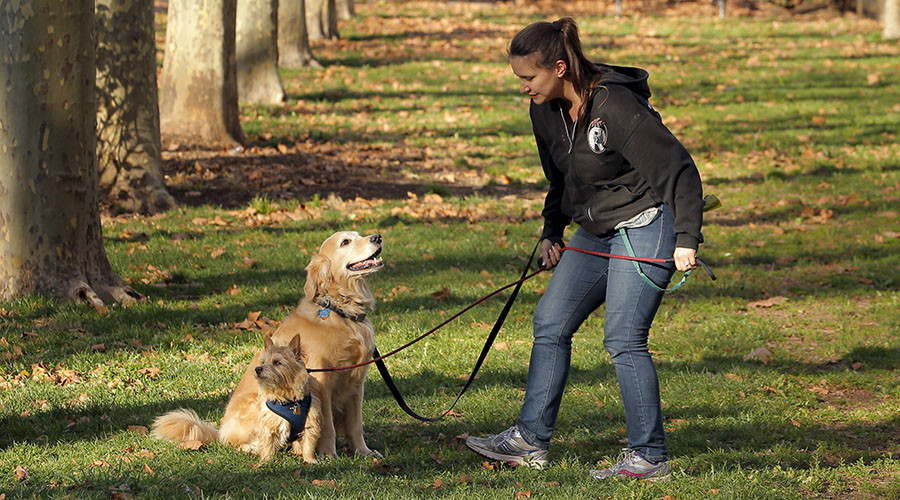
(482, 299)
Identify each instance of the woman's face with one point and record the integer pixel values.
(542, 84)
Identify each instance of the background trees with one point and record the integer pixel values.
(128, 142)
(198, 86)
(293, 38)
(50, 237)
(257, 52)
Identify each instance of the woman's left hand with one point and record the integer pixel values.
(685, 258)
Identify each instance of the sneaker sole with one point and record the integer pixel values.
(651, 479)
(512, 460)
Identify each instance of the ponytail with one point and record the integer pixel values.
(553, 41)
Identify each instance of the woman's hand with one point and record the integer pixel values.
(685, 258)
(550, 253)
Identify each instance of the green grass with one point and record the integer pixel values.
(793, 123)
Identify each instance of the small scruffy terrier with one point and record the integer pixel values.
(275, 401)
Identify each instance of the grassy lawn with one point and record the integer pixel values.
(793, 123)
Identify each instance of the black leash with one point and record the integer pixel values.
(389, 381)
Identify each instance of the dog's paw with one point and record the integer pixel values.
(370, 454)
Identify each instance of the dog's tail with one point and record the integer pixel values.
(184, 425)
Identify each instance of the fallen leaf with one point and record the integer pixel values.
(487, 465)
(501, 346)
(325, 482)
(856, 365)
(437, 483)
(193, 444)
(465, 478)
(760, 353)
(137, 429)
(217, 252)
(523, 494)
(250, 263)
(21, 473)
(148, 470)
(442, 294)
(145, 453)
(254, 315)
(98, 347)
(149, 372)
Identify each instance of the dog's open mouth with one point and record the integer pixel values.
(373, 262)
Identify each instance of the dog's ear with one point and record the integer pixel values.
(267, 342)
(295, 345)
(316, 273)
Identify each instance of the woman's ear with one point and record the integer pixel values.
(560, 67)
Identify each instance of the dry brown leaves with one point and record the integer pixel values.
(255, 322)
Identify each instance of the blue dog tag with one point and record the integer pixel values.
(323, 313)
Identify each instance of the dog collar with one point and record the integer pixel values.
(294, 412)
(327, 306)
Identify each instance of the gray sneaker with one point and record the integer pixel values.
(509, 447)
(633, 464)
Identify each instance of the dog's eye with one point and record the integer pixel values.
(276, 362)
(345, 243)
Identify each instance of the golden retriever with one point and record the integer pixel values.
(277, 377)
(334, 331)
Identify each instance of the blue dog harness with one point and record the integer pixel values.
(294, 412)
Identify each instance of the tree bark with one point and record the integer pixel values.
(128, 142)
(50, 235)
(321, 19)
(314, 19)
(198, 99)
(345, 10)
(330, 19)
(257, 52)
(293, 39)
(891, 20)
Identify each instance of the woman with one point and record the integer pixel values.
(618, 172)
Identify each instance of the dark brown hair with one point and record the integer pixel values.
(550, 42)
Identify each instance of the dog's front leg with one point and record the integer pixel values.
(353, 425)
(307, 445)
(327, 437)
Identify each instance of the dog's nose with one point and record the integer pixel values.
(258, 370)
(375, 238)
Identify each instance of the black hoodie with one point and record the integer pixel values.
(631, 162)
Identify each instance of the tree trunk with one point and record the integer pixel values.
(50, 235)
(293, 40)
(198, 100)
(891, 20)
(257, 52)
(314, 19)
(345, 10)
(128, 144)
(330, 19)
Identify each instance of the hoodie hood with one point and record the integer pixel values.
(633, 78)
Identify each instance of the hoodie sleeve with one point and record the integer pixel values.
(662, 161)
(555, 221)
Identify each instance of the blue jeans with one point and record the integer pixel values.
(580, 284)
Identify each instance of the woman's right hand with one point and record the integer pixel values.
(550, 253)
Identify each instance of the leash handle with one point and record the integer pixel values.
(489, 341)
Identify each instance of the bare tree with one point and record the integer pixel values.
(198, 99)
(891, 20)
(50, 236)
(128, 147)
(293, 39)
(257, 52)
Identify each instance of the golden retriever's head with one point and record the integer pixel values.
(336, 272)
(281, 374)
